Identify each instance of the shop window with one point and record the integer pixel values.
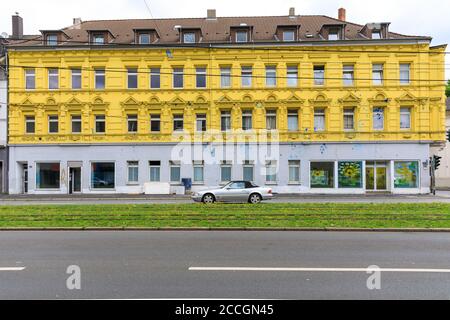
(350, 174)
(102, 175)
(406, 174)
(322, 174)
(47, 175)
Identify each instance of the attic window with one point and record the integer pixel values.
(289, 35)
(52, 40)
(98, 38)
(144, 38)
(333, 35)
(376, 34)
(189, 37)
(241, 36)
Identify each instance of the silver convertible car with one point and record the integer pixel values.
(235, 191)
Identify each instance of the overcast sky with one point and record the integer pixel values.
(415, 17)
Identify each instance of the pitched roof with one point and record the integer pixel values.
(212, 30)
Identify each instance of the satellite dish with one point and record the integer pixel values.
(4, 35)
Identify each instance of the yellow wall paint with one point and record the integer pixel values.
(426, 98)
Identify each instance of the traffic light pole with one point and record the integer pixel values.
(433, 176)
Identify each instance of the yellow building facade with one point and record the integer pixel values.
(332, 107)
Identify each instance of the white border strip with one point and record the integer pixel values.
(319, 269)
(12, 269)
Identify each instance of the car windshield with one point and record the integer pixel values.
(240, 185)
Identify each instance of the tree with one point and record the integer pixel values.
(447, 89)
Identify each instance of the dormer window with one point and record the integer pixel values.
(98, 39)
(189, 37)
(376, 34)
(241, 36)
(52, 40)
(333, 35)
(144, 38)
(289, 35)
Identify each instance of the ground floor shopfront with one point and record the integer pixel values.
(356, 168)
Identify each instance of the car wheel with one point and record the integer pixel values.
(208, 198)
(255, 198)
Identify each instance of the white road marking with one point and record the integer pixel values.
(319, 269)
(12, 269)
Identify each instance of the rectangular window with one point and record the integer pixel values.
(200, 77)
(225, 77)
(333, 35)
(76, 79)
(155, 78)
(225, 121)
(319, 120)
(132, 78)
(376, 34)
(293, 120)
(144, 38)
(271, 171)
(349, 119)
(294, 171)
(292, 76)
(319, 75)
(247, 121)
(155, 171)
(178, 122)
(155, 123)
(178, 78)
(241, 36)
(30, 79)
(225, 172)
(102, 175)
(30, 124)
(377, 74)
(350, 174)
(271, 76)
(271, 119)
(48, 175)
(76, 124)
(175, 172)
(405, 73)
(189, 37)
(98, 39)
(100, 80)
(52, 124)
(132, 121)
(289, 35)
(405, 118)
(322, 174)
(133, 172)
(201, 123)
(248, 171)
(100, 124)
(348, 75)
(53, 79)
(198, 172)
(246, 76)
(406, 174)
(52, 40)
(378, 118)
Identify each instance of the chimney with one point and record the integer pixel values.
(76, 23)
(211, 15)
(17, 26)
(291, 12)
(342, 14)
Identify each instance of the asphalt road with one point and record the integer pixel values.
(441, 196)
(157, 265)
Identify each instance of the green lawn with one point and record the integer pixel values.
(267, 215)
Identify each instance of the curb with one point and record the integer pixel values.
(412, 230)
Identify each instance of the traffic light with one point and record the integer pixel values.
(436, 162)
(448, 135)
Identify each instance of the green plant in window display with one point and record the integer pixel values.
(350, 174)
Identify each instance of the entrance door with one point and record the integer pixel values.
(25, 178)
(74, 180)
(376, 176)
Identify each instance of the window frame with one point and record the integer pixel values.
(271, 115)
(155, 73)
(178, 117)
(132, 165)
(320, 112)
(52, 119)
(75, 73)
(409, 114)
(289, 73)
(132, 74)
(405, 82)
(293, 113)
(272, 165)
(348, 69)
(374, 113)
(99, 119)
(38, 178)
(154, 164)
(189, 33)
(225, 73)
(290, 39)
(247, 114)
(378, 71)
(202, 118)
(198, 165)
(99, 73)
(177, 74)
(200, 75)
(29, 119)
(73, 120)
(297, 165)
(30, 73)
(155, 118)
(53, 75)
(51, 39)
(174, 165)
(271, 76)
(225, 114)
(131, 120)
(319, 78)
(241, 32)
(246, 73)
(349, 112)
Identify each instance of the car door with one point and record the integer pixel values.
(236, 192)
